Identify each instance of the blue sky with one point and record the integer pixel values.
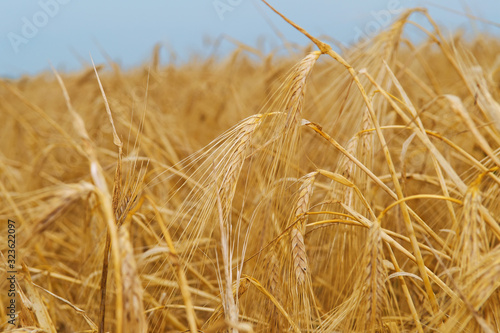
(65, 32)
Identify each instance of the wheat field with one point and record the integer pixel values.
(321, 191)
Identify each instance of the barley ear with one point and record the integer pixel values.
(298, 230)
(134, 319)
(375, 278)
(296, 89)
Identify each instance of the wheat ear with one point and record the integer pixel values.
(297, 87)
(347, 168)
(236, 159)
(134, 320)
(472, 241)
(376, 293)
(297, 232)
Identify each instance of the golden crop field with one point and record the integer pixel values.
(313, 192)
